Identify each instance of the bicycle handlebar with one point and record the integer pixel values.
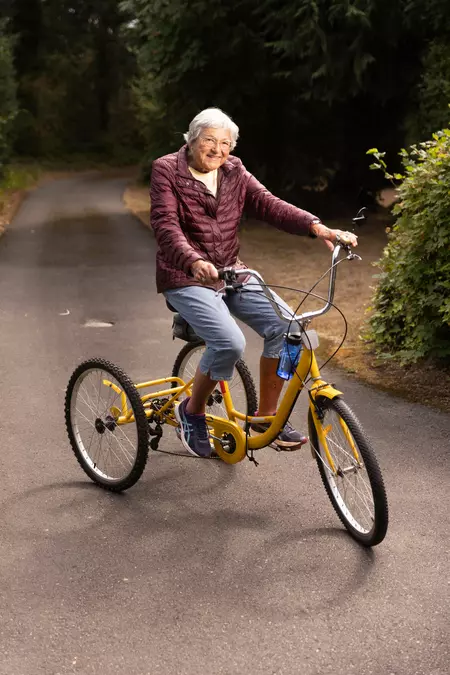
(230, 276)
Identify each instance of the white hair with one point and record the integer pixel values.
(212, 118)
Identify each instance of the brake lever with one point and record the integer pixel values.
(350, 255)
(236, 286)
(358, 219)
(230, 278)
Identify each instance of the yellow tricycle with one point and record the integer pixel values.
(112, 422)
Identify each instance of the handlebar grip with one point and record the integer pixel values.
(227, 274)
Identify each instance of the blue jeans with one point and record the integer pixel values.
(210, 315)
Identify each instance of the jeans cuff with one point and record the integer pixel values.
(271, 355)
(214, 376)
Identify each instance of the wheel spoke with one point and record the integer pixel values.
(110, 447)
(105, 406)
(344, 452)
(107, 431)
(361, 498)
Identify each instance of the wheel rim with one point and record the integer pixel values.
(108, 450)
(350, 485)
(215, 405)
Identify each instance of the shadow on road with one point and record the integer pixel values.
(217, 552)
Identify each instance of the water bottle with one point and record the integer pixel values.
(290, 355)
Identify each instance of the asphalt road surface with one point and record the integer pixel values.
(201, 568)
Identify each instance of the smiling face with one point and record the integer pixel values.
(210, 150)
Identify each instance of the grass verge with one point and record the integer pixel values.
(17, 180)
(298, 262)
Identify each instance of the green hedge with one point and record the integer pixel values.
(411, 318)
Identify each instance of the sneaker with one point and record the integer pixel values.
(194, 433)
(288, 439)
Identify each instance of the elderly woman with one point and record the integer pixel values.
(198, 195)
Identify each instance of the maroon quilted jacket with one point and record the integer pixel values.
(191, 224)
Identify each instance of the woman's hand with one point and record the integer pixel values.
(204, 272)
(332, 237)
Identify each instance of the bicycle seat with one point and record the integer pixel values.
(180, 327)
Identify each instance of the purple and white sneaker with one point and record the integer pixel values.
(194, 433)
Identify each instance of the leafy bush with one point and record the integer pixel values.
(16, 177)
(412, 302)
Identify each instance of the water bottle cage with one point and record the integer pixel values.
(289, 358)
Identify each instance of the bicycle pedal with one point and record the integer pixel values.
(286, 448)
(154, 443)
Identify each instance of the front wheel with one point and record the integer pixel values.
(349, 470)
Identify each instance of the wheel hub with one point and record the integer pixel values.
(100, 425)
(110, 423)
(216, 397)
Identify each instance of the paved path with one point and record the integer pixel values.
(201, 568)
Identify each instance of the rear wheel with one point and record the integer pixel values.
(113, 455)
(241, 386)
(350, 471)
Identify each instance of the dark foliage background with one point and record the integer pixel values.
(312, 84)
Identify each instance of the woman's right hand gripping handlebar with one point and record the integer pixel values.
(204, 272)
